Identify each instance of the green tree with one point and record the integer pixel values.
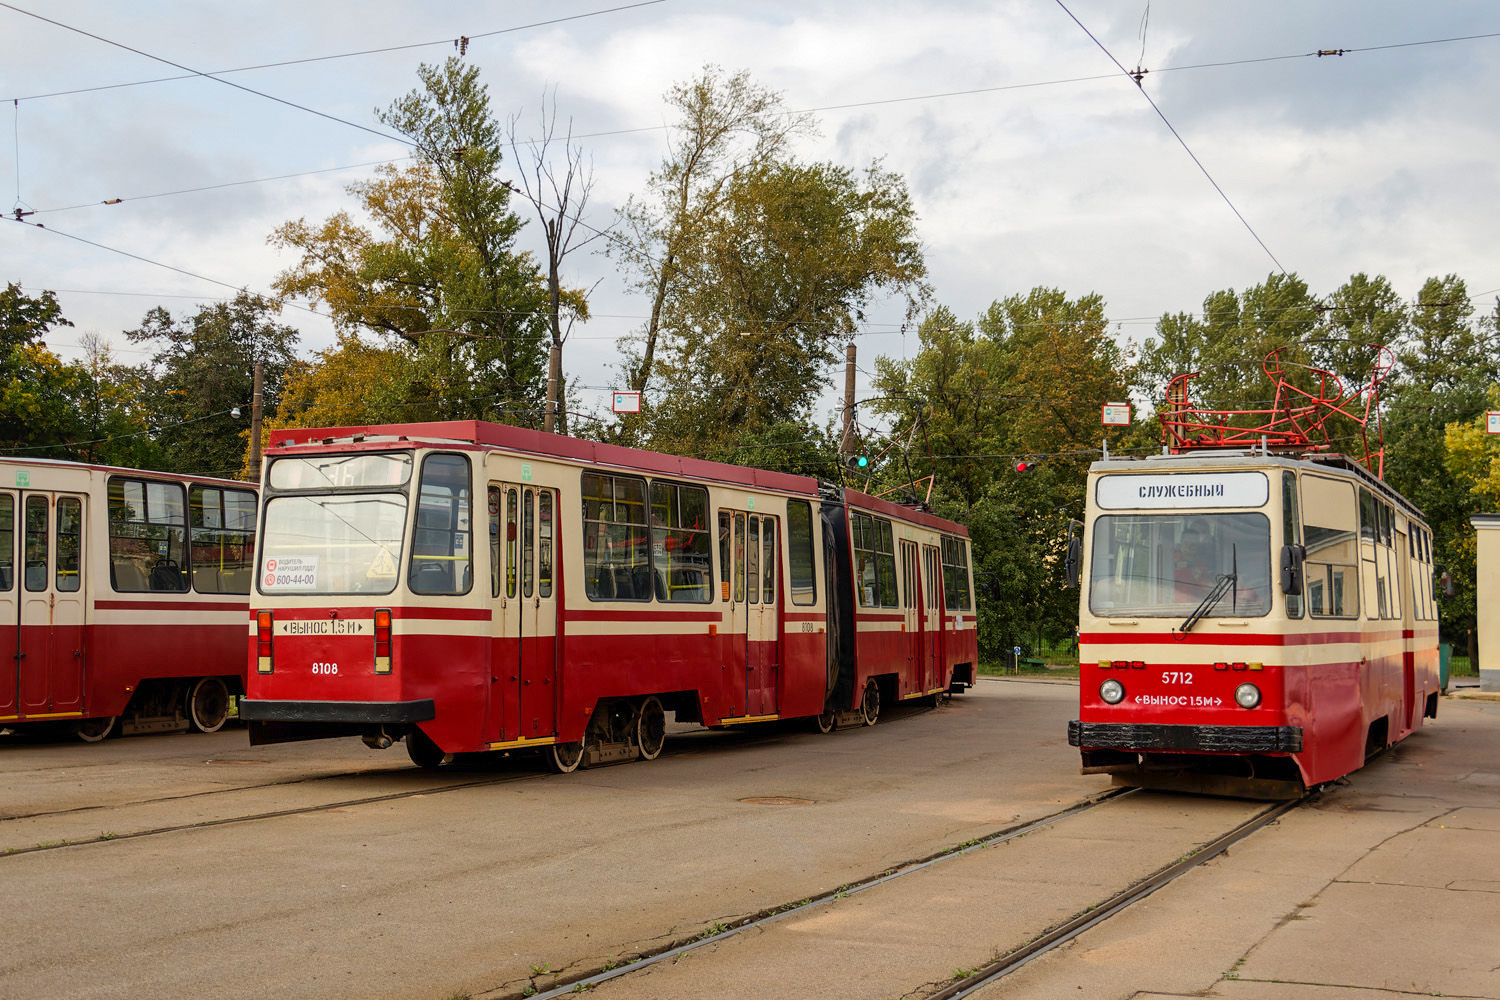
(441, 282)
(202, 369)
(38, 391)
(1448, 359)
(1023, 383)
(725, 125)
(777, 284)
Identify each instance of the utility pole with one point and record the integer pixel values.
(554, 377)
(255, 414)
(846, 443)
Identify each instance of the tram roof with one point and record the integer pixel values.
(1322, 461)
(63, 463)
(482, 434)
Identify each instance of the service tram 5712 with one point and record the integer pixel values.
(1250, 623)
(472, 587)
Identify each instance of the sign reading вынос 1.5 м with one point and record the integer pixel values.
(1182, 490)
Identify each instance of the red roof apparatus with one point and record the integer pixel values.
(1316, 416)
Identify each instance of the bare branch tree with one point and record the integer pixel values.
(559, 204)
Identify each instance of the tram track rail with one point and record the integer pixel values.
(677, 747)
(758, 920)
(998, 968)
(1068, 930)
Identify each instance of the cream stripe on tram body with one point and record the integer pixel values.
(1250, 622)
(469, 586)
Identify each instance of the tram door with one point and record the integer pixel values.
(932, 618)
(523, 540)
(1410, 714)
(751, 635)
(45, 603)
(911, 606)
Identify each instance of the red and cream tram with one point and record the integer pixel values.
(599, 588)
(1251, 623)
(123, 597)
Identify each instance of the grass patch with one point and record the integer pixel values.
(989, 668)
(1459, 666)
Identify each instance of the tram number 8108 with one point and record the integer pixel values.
(325, 668)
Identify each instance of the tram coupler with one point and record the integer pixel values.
(379, 739)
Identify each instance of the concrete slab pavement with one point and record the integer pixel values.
(1379, 888)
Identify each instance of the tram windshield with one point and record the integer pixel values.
(1164, 565)
(332, 544)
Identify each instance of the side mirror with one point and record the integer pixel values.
(1291, 570)
(1074, 563)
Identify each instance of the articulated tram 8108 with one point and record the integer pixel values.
(1250, 622)
(472, 587)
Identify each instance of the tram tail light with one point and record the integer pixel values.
(1122, 664)
(1137, 664)
(383, 641)
(1221, 666)
(1236, 666)
(263, 627)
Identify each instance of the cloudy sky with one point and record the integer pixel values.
(1031, 159)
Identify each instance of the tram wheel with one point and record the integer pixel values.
(565, 757)
(869, 705)
(824, 722)
(651, 728)
(96, 730)
(208, 705)
(423, 752)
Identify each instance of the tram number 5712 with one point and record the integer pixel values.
(1176, 677)
(325, 668)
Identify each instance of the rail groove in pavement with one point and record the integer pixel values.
(673, 748)
(766, 917)
(1070, 929)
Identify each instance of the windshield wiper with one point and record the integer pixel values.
(1225, 582)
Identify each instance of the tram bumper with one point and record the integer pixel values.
(278, 721)
(1146, 737)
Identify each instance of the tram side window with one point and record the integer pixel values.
(147, 537)
(494, 510)
(874, 561)
(544, 544)
(799, 535)
(36, 543)
(616, 540)
(223, 539)
(681, 549)
(1331, 532)
(8, 540)
(956, 574)
(69, 544)
(441, 548)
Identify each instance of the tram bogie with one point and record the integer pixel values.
(123, 595)
(1250, 623)
(495, 589)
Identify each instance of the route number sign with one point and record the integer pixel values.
(627, 402)
(1116, 415)
(1492, 422)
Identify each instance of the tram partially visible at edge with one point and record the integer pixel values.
(470, 587)
(1250, 623)
(123, 596)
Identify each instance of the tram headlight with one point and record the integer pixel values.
(1247, 696)
(1112, 691)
